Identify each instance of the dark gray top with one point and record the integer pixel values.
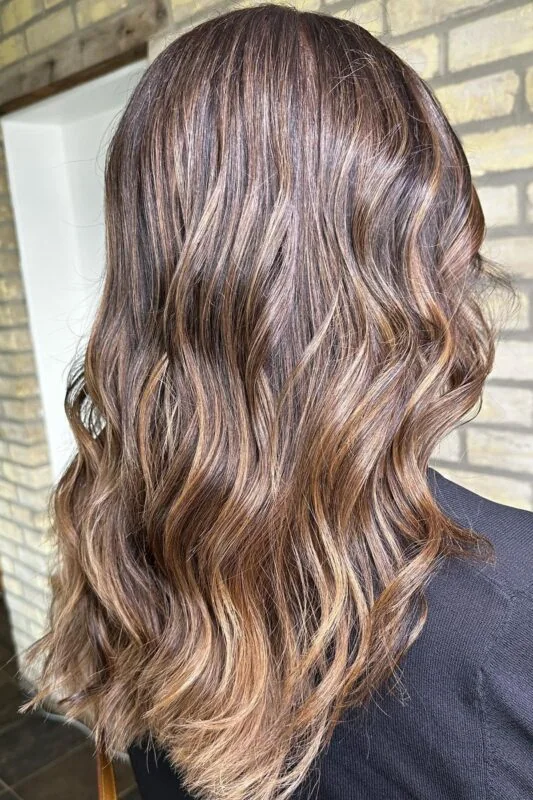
(465, 730)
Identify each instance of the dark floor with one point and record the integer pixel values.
(43, 758)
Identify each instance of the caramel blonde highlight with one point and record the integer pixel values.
(291, 321)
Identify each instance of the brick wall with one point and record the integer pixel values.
(477, 55)
(24, 470)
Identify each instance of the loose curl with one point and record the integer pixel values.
(291, 321)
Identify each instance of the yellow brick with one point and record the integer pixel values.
(50, 29)
(11, 49)
(24, 432)
(26, 410)
(12, 585)
(529, 87)
(13, 386)
(480, 98)
(369, 15)
(8, 237)
(17, 12)
(9, 492)
(11, 531)
(32, 477)
(502, 449)
(506, 405)
(514, 361)
(11, 287)
(494, 151)
(20, 514)
(37, 499)
(12, 314)
(9, 263)
(510, 491)
(530, 202)
(490, 38)
(17, 364)
(405, 17)
(515, 253)
(422, 54)
(34, 456)
(500, 205)
(90, 11)
(15, 340)
(6, 211)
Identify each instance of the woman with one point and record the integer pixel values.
(264, 591)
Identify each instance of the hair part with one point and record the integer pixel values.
(291, 321)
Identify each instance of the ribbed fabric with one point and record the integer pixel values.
(463, 727)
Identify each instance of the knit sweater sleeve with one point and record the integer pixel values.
(506, 690)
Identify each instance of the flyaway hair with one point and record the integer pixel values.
(292, 319)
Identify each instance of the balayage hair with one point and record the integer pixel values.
(290, 322)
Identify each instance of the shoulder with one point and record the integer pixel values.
(509, 529)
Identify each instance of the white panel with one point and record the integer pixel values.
(55, 155)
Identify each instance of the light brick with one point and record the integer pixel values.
(500, 449)
(9, 263)
(34, 456)
(6, 211)
(9, 530)
(18, 387)
(12, 49)
(19, 514)
(514, 361)
(26, 573)
(90, 11)
(421, 54)
(419, 13)
(32, 477)
(449, 448)
(369, 15)
(12, 314)
(509, 491)
(11, 287)
(17, 364)
(480, 98)
(500, 205)
(17, 12)
(26, 410)
(530, 202)
(7, 492)
(15, 339)
(6, 563)
(29, 611)
(36, 499)
(9, 548)
(514, 253)
(12, 585)
(50, 29)
(506, 405)
(490, 38)
(23, 432)
(41, 543)
(501, 150)
(8, 237)
(529, 87)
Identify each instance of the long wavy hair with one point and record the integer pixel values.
(292, 318)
